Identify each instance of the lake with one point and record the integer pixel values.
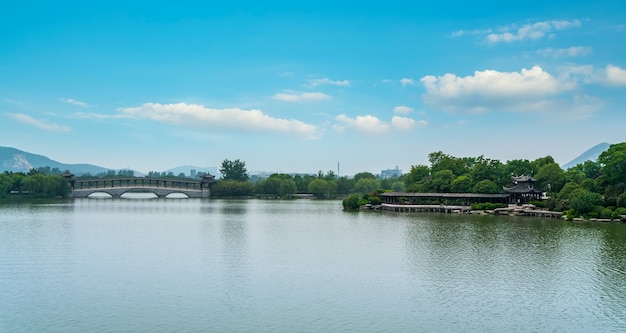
(191, 265)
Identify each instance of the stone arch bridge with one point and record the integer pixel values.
(161, 187)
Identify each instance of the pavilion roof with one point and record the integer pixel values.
(522, 188)
(524, 178)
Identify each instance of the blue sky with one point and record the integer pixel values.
(300, 86)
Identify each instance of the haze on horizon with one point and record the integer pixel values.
(300, 87)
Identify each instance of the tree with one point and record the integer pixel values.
(575, 175)
(397, 186)
(540, 162)
(232, 188)
(234, 170)
(361, 175)
(568, 190)
(584, 202)
(518, 168)
(287, 188)
(418, 174)
(366, 185)
(440, 161)
(613, 162)
(352, 202)
(462, 184)
(486, 187)
(442, 181)
(5, 185)
(270, 186)
(621, 200)
(321, 188)
(551, 174)
(344, 185)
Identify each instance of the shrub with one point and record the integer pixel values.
(486, 206)
(606, 213)
(585, 202)
(352, 202)
(621, 200)
(375, 200)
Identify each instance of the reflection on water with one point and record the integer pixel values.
(250, 265)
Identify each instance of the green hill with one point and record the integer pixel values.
(15, 160)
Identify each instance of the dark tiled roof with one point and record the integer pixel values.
(522, 188)
(443, 195)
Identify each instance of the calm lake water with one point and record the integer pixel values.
(187, 265)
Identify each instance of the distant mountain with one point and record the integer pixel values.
(591, 154)
(15, 160)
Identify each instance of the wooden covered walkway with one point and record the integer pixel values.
(453, 199)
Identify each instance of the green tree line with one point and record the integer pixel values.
(33, 184)
(591, 189)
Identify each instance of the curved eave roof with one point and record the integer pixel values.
(524, 178)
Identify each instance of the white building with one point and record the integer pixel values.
(391, 173)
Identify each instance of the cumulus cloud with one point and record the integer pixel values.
(367, 124)
(531, 31)
(74, 102)
(301, 97)
(372, 125)
(610, 75)
(615, 75)
(326, 81)
(198, 116)
(406, 124)
(41, 124)
(407, 82)
(528, 90)
(573, 51)
(402, 109)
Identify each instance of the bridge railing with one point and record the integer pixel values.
(80, 184)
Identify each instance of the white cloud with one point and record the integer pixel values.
(74, 102)
(573, 51)
(372, 125)
(403, 109)
(41, 124)
(462, 32)
(615, 75)
(318, 82)
(406, 124)
(302, 97)
(525, 91)
(531, 31)
(90, 115)
(367, 124)
(610, 75)
(407, 82)
(198, 116)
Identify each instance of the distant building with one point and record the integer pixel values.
(391, 173)
(193, 173)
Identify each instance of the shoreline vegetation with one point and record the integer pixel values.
(593, 190)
